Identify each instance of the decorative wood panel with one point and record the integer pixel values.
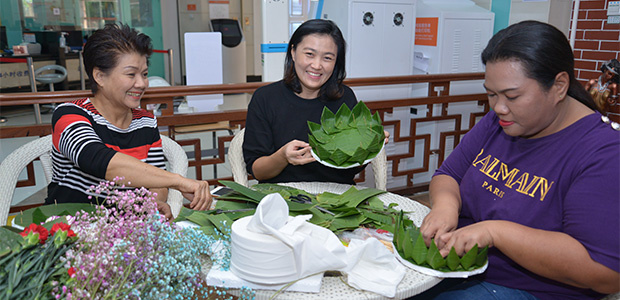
(236, 119)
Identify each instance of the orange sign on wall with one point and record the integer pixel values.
(426, 31)
(191, 7)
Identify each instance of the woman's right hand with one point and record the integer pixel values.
(297, 152)
(439, 221)
(198, 192)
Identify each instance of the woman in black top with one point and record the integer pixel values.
(276, 145)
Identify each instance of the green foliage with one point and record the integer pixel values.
(347, 137)
(38, 215)
(337, 212)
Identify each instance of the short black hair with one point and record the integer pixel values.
(104, 46)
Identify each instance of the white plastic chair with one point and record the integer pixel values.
(240, 174)
(14, 163)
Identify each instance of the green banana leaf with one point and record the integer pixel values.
(39, 214)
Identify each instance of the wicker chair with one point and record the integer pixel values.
(240, 174)
(41, 148)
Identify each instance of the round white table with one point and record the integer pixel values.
(334, 287)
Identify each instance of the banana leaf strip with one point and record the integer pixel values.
(380, 218)
(469, 259)
(39, 214)
(419, 251)
(434, 258)
(252, 194)
(452, 260)
(482, 257)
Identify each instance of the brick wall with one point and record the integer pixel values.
(595, 42)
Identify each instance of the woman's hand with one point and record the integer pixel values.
(198, 192)
(463, 239)
(437, 223)
(164, 209)
(297, 152)
(387, 136)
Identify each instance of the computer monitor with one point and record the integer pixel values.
(230, 29)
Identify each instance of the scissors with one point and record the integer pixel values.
(305, 199)
(221, 211)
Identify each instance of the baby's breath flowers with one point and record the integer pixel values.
(127, 250)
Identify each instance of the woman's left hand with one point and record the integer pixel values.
(463, 239)
(387, 136)
(164, 209)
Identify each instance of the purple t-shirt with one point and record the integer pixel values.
(567, 182)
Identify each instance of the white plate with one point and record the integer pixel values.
(440, 274)
(349, 167)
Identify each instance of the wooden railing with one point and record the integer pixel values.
(170, 121)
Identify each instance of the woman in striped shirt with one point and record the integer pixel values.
(109, 135)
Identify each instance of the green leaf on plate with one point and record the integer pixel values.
(434, 258)
(452, 260)
(469, 259)
(419, 251)
(482, 257)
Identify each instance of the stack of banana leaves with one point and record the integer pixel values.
(337, 212)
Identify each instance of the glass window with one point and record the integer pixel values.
(27, 9)
(296, 7)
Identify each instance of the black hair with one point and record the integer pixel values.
(542, 50)
(332, 88)
(104, 47)
(614, 66)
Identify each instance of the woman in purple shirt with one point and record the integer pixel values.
(536, 179)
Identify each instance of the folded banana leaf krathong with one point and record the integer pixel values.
(410, 245)
(347, 137)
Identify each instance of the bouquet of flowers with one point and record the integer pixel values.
(123, 249)
(30, 264)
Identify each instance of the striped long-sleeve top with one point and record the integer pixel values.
(84, 142)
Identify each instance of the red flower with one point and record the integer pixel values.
(62, 227)
(34, 228)
(71, 272)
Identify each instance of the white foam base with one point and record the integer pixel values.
(220, 278)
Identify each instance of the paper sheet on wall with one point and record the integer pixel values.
(203, 65)
(218, 10)
(420, 61)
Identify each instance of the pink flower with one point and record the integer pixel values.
(36, 229)
(71, 272)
